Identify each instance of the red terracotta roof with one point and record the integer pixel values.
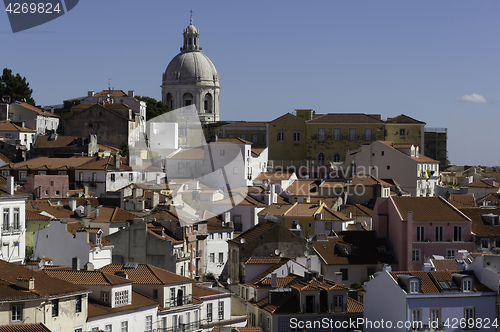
(33, 327)
(428, 209)
(96, 309)
(84, 277)
(346, 118)
(147, 274)
(36, 109)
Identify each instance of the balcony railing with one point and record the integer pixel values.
(11, 230)
(194, 326)
(179, 301)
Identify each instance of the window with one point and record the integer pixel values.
(255, 138)
(80, 177)
(104, 297)
(367, 134)
(321, 159)
(222, 153)
(338, 303)
(382, 153)
(388, 167)
(209, 312)
(337, 134)
(321, 134)
(108, 328)
(485, 243)
(94, 328)
(112, 177)
(221, 257)
(81, 330)
(16, 225)
(296, 136)
(420, 234)
(414, 286)
(6, 220)
(281, 136)
(42, 172)
(416, 315)
(469, 316)
(435, 318)
(438, 235)
(310, 225)
(149, 323)
(337, 158)
(467, 285)
(58, 193)
(352, 134)
(212, 257)
(155, 293)
(23, 175)
(124, 326)
(61, 173)
(450, 253)
(415, 255)
(457, 233)
(78, 303)
(16, 312)
(345, 273)
(221, 310)
(5, 173)
(402, 132)
(211, 236)
(172, 296)
(243, 136)
(121, 297)
(55, 308)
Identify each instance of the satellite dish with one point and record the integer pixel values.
(242, 241)
(289, 191)
(306, 253)
(297, 226)
(229, 280)
(277, 252)
(281, 255)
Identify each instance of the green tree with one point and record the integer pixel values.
(15, 87)
(153, 107)
(124, 150)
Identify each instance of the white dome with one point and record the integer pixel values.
(191, 68)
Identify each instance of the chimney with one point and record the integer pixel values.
(155, 199)
(274, 280)
(72, 204)
(52, 109)
(338, 278)
(25, 283)
(85, 191)
(97, 212)
(158, 179)
(10, 185)
(87, 209)
(117, 161)
(89, 266)
(90, 94)
(75, 263)
(131, 93)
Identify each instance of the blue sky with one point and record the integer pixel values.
(436, 61)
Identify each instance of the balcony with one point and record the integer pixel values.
(11, 230)
(179, 301)
(194, 326)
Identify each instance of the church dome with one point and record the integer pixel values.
(191, 67)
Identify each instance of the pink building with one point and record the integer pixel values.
(419, 227)
(47, 186)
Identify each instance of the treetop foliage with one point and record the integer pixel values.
(15, 87)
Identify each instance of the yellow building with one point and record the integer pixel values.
(403, 129)
(255, 132)
(312, 140)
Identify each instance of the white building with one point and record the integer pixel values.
(43, 122)
(112, 305)
(191, 78)
(13, 231)
(414, 172)
(16, 135)
(85, 243)
(216, 246)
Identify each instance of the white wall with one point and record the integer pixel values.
(11, 252)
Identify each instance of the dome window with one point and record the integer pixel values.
(187, 99)
(207, 103)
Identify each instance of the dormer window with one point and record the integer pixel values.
(467, 285)
(414, 286)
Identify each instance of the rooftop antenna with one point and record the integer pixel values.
(191, 18)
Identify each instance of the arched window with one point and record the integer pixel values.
(321, 159)
(170, 100)
(336, 157)
(187, 99)
(207, 103)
